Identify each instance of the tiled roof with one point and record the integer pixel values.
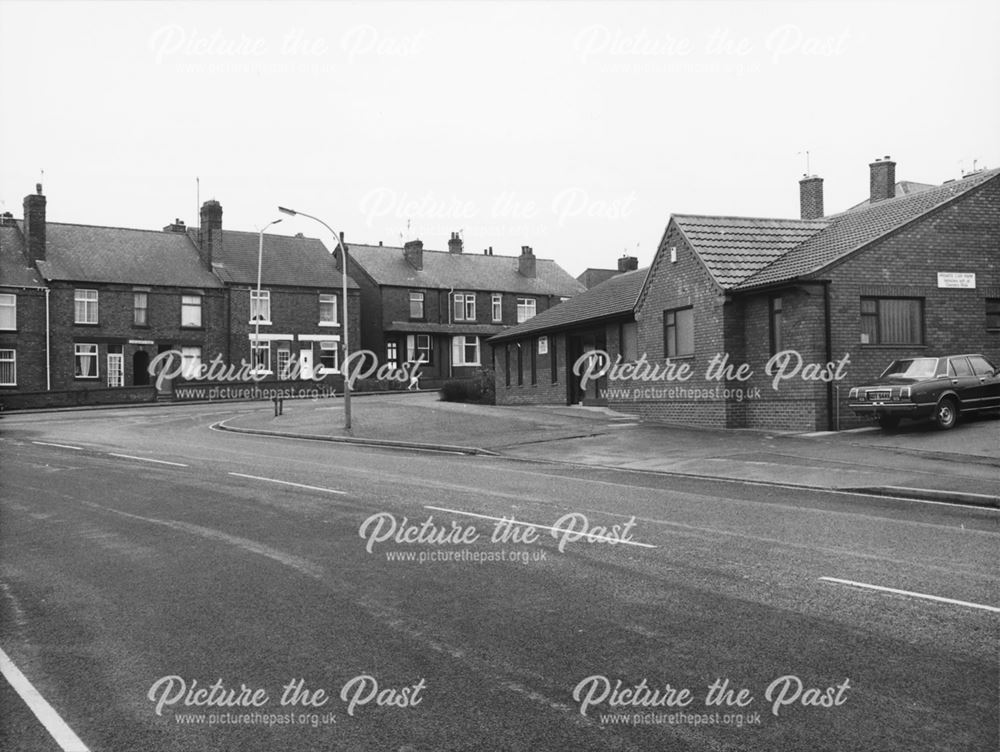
(287, 261)
(15, 269)
(615, 297)
(84, 253)
(851, 230)
(593, 277)
(902, 188)
(463, 271)
(419, 327)
(735, 248)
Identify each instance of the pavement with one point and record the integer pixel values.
(959, 466)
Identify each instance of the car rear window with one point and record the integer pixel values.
(961, 367)
(981, 366)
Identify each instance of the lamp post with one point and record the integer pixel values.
(343, 279)
(256, 319)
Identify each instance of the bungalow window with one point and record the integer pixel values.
(776, 317)
(552, 363)
(418, 347)
(464, 306)
(329, 356)
(525, 309)
(629, 341)
(85, 356)
(678, 333)
(327, 310)
(506, 352)
(465, 351)
(892, 321)
(534, 366)
(416, 305)
(140, 308)
(8, 367)
(260, 306)
(520, 364)
(497, 301)
(543, 345)
(993, 314)
(191, 310)
(85, 306)
(8, 311)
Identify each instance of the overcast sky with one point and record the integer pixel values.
(576, 129)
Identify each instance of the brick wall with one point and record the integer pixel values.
(543, 391)
(28, 340)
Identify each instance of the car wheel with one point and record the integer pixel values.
(888, 422)
(946, 414)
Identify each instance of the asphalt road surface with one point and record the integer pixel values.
(166, 586)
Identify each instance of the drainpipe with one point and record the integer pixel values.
(48, 349)
(451, 359)
(832, 425)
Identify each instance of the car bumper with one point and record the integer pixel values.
(902, 409)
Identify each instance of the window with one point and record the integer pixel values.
(284, 360)
(506, 367)
(959, 367)
(552, 363)
(678, 333)
(327, 310)
(892, 321)
(260, 306)
(525, 309)
(329, 356)
(140, 308)
(260, 356)
(416, 305)
(8, 311)
(534, 366)
(464, 306)
(191, 310)
(465, 351)
(116, 366)
(629, 344)
(981, 366)
(86, 361)
(993, 313)
(497, 306)
(190, 362)
(776, 319)
(543, 345)
(8, 367)
(520, 363)
(418, 347)
(392, 353)
(86, 306)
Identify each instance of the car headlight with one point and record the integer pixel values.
(853, 394)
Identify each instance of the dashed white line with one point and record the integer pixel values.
(45, 713)
(540, 527)
(910, 593)
(61, 446)
(290, 483)
(147, 459)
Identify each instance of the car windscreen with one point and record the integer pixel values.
(914, 368)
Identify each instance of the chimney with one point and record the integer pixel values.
(211, 221)
(883, 179)
(34, 224)
(413, 252)
(6, 219)
(811, 197)
(526, 262)
(455, 244)
(628, 264)
(177, 226)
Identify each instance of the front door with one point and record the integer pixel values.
(306, 364)
(116, 369)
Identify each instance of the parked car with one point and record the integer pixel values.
(937, 388)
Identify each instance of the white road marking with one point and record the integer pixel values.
(992, 609)
(45, 713)
(147, 459)
(289, 483)
(61, 446)
(533, 524)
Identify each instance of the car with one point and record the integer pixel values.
(939, 388)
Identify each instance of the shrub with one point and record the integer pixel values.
(460, 391)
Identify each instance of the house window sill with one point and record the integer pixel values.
(329, 323)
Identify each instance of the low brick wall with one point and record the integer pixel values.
(77, 398)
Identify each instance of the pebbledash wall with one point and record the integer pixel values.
(962, 236)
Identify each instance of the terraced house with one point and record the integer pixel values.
(894, 276)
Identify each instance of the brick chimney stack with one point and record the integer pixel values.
(413, 252)
(177, 226)
(34, 224)
(210, 233)
(455, 243)
(627, 264)
(526, 262)
(811, 197)
(883, 179)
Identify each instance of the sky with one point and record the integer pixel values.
(573, 128)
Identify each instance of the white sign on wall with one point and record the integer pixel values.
(957, 280)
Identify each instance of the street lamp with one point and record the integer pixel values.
(343, 276)
(256, 319)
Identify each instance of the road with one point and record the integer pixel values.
(166, 586)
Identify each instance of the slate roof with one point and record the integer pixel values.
(419, 327)
(852, 230)
(463, 271)
(287, 261)
(735, 248)
(615, 297)
(902, 188)
(117, 255)
(592, 277)
(15, 269)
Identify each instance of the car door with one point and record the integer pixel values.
(986, 390)
(963, 381)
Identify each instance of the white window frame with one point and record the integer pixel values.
(543, 345)
(459, 347)
(8, 365)
(263, 346)
(326, 299)
(283, 361)
(497, 307)
(136, 308)
(260, 307)
(414, 352)
(329, 346)
(464, 306)
(190, 362)
(392, 353)
(190, 304)
(116, 369)
(85, 304)
(8, 307)
(524, 306)
(79, 352)
(417, 297)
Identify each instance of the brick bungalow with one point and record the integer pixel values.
(893, 277)
(441, 306)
